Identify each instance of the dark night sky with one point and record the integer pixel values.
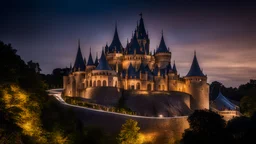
(223, 32)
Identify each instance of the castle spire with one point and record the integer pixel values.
(103, 63)
(195, 69)
(115, 44)
(96, 60)
(90, 60)
(174, 67)
(79, 62)
(162, 46)
(141, 29)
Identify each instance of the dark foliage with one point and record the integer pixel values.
(206, 127)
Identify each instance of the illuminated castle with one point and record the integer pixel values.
(135, 68)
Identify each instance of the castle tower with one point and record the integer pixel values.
(96, 60)
(142, 36)
(163, 56)
(197, 86)
(78, 74)
(103, 75)
(90, 65)
(114, 52)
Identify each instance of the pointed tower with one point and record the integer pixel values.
(103, 63)
(115, 44)
(79, 64)
(174, 68)
(142, 36)
(90, 64)
(197, 86)
(96, 60)
(135, 47)
(106, 77)
(162, 55)
(195, 68)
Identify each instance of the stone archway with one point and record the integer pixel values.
(90, 83)
(104, 83)
(149, 87)
(98, 83)
(138, 86)
(94, 83)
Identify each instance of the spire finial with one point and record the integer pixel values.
(162, 32)
(116, 25)
(137, 23)
(141, 14)
(194, 52)
(174, 62)
(90, 49)
(96, 54)
(79, 42)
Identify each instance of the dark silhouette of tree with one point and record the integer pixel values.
(243, 129)
(206, 127)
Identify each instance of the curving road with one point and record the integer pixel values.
(57, 94)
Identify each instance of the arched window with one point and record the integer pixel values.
(104, 83)
(94, 83)
(162, 87)
(90, 83)
(159, 87)
(116, 84)
(149, 87)
(98, 83)
(138, 86)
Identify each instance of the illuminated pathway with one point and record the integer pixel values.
(57, 94)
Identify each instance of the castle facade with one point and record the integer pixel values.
(135, 68)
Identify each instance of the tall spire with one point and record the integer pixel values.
(195, 68)
(103, 63)
(96, 60)
(79, 64)
(174, 67)
(162, 46)
(116, 44)
(90, 60)
(141, 29)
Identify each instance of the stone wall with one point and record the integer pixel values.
(155, 103)
(155, 129)
(103, 95)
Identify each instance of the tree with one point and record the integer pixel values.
(242, 129)
(248, 105)
(206, 127)
(129, 133)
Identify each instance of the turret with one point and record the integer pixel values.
(142, 36)
(90, 63)
(96, 60)
(162, 55)
(103, 75)
(197, 86)
(79, 64)
(115, 45)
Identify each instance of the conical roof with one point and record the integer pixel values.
(162, 46)
(195, 68)
(79, 64)
(174, 67)
(222, 103)
(96, 60)
(103, 63)
(90, 60)
(141, 29)
(116, 44)
(135, 46)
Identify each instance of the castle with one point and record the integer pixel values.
(135, 68)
